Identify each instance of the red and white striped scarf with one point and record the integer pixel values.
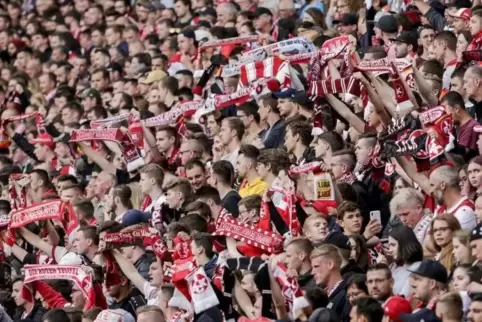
(291, 290)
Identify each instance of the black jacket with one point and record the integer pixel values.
(35, 315)
(339, 303)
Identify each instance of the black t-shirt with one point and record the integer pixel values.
(230, 202)
(134, 300)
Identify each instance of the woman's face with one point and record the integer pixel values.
(342, 6)
(353, 293)
(474, 174)
(399, 184)
(461, 252)
(442, 234)
(392, 250)
(462, 44)
(244, 31)
(354, 253)
(460, 280)
(462, 178)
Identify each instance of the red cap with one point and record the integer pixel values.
(45, 139)
(463, 13)
(395, 306)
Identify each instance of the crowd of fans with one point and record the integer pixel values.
(269, 160)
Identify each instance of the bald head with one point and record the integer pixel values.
(446, 175)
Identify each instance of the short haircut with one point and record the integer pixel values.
(170, 130)
(329, 251)
(182, 185)
(359, 280)
(381, 267)
(434, 67)
(449, 38)
(267, 99)
(453, 99)
(68, 177)
(154, 171)
(235, 124)
(149, 308)
(204, 240)
(251, 202)
(370, 139)
(455, 307)
(459, 72)
(110, 226)
(92, 313)
(90, 232)
(170, 83)
(447, 174)
(302, 244)
(55, 315)
(249, 151)
(348, 157)
(346, 206)
(44, 176)
(377, 52)
(313, 217)
(276, 159)
(74, 314)
(195, 222)
(124, 193)
(86, 207)
(370, 308)
(209, 193)
(302, 129)
(224, 172)
(250, 109)
(195, 163)
(404, 197)
(334, 139)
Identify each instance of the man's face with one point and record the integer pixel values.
(317, 230)
(145, 183)
(62, 151)
(173, 198)
(338, 168)
(69, 195)
(181, 9)
(401, 49)
(476, 246)
(363, 152)
(352, 222)
(81, 244)
(437, 188)
(457, 85)
(379, 286)
(346, 30)
(410, 214)
(40, 152)
(475, 25)
(98, 81)
(320, 268)
(225, 133)
(293, 259)
(163, 141)
(17, 293)
(427, 36)
(286, 107)
(439, 50)
(459, 25)
(196, 176)
(45, 84)
(21, 61)
(290, 141)
(243, 165)
(262, 22)
(471, 84)
(420, 287)
(184, 43)
(212, 125)
(475, 312)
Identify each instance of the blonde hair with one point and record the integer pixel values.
(329, 251)
(447, 258)
(464, 238)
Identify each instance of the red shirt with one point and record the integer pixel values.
(466, 136)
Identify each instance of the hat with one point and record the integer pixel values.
(431, 269)
(114, 67)
(407, 37)
(346, 19)
(299, 97)
(154, 76)
(476, 233)
(338, 239)
(463, 13)
(424, 315)
(395, 306)
(209, 11)
(262, 11)
(387, 24)
(134, 217)
(91, 93)
(43, 138)
(378, 16)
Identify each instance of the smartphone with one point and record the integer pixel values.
(375, 215)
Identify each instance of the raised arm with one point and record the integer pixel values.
(129, 270)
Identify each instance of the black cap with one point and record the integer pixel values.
(188, 33)
(299, 97)
(209, 11)
(262, 11)
(476, 233)
(346, 19)
(408, 37)
(425, 315)
(387, 24)
(431, 269)
(337, 239)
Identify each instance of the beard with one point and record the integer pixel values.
(438, 196)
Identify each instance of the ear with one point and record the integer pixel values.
(302, 256)
(340, 223)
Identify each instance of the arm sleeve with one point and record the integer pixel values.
(24, 145)
(301, 214)
(50, 296)
(276, 219)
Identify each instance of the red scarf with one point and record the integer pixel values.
(476, 42)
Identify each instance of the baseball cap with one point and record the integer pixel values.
(337, 239)
(425, 315)
(262, 11)
(91, 93)
(395, 306)
(476, 233)
(134, 217)
(408, 37)
(463, 13)
(45, 139)
(154, 76)
(346, 19)
(210, 11)
(387, 24)
(299, 97)
(378, 16)
(430, 269)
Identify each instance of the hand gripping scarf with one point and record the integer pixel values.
(202, 293)
(291, 290)
(129, 149)
(134, 126)
(288, 214)
(139, 236)
(78, 274)
(323, 185)
(172, 116)
(272, 67)
(229, 41)
(269, 242)
(17, 190)
(4, 139)
(286, 47)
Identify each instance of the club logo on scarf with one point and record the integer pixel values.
(199, 283)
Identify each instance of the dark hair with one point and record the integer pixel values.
(317, 297)
(195, 222)
(333, 138)
(359, 280)
(302, 129)
(250, 109)
(346, 206)
(277, 159)
(454, 98)
(55, 315)
(370, 308)
(434, 67)
(92, 313)
(124, 193)
(90, 232)
(409, 248)
(195, 163)
(209, 193)
(249, 151)
(449, 38)
(362, 254)
(224, 172)
(381, 267)
(86, 207)
(237, 125)
(204, 240)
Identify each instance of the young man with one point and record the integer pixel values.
(166, 139)
(202, 250)
(84, 210)
(297, 141)
(444, 182)
(450, 307)
(386, 28)
(222, 178)
(326, 266)
(462, 20)
(428, 281)
(248, 113)
(151, 181)
(273, 137)
(196, 173)
(366, 309)
(379, 282)
(298, 260)
(445, 44)
(249, 209)
(406, 45)
(231, 134)
(325, 145)
(178, 194)
(316, 228)
(246, 167)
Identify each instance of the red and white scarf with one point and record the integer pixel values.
(173, 115)
(229, 41)
(202, 293)
(139, 236)
(17, 190)
(349, 178)
(129, 149)
(291, 290)
(285, 47)
(476, 43)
